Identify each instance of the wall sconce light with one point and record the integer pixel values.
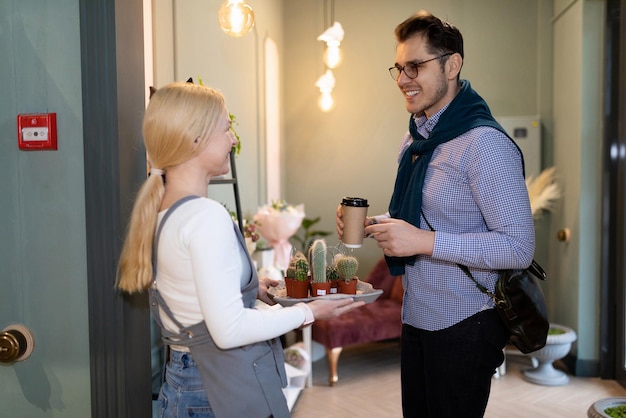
(236, 18)
(333, 37)
(326, 84)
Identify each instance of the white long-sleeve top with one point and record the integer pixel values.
(200, 270)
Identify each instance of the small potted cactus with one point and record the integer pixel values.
(297, 276)
(347, 266)
(332, 277)
(320, 286)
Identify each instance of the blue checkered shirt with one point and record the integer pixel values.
(476, 200)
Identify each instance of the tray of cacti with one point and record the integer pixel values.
(323, 277)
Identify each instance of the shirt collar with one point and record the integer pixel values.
(426, 125)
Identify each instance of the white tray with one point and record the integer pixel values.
(364, 292)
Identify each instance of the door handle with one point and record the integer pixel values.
(563, 235)
(16, 344)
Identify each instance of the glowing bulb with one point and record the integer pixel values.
(326, 102)
(332, 55)
(236, 18)
(326, 84)
(333, 37)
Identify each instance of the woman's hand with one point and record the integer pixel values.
(330, 308)
(264, 284)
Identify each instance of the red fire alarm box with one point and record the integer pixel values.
(37, 131)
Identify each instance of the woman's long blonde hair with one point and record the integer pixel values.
(178, 123)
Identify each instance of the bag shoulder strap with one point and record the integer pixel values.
(465, 268)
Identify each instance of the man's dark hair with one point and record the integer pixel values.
(441, 37)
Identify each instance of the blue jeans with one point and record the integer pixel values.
(182, 393)
(448, 373)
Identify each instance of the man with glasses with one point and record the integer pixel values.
(459, 199)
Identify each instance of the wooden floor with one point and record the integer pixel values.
(369, 387)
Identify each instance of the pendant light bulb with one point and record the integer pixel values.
(236, 18)
(326, 84)
(333, 55)
(333, 37)
(326, 102)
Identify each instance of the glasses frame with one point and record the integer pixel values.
(414, 65)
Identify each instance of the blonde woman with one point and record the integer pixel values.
(225, 358)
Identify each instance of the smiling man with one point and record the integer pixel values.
(459, 199)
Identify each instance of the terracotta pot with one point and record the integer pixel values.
(289, 285)
(334, 286)
(299, 289)
(320, 289)
(348, 287)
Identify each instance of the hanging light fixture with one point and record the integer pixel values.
(326, 84)
(333, 37)
(332, 58)
(236, 18)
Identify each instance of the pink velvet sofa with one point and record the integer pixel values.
(377, 321)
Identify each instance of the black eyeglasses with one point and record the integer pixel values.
(411, 68)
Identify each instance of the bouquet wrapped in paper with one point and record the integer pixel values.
(276, 223)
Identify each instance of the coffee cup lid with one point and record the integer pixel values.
(354, 201)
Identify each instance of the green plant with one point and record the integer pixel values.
(317, 260)
(298, 268)
(555, 331)
(308, 235)
(233, 121)
(346, 266)
(616, 411)
(331, 272)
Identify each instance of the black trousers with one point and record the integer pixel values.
(448, 373)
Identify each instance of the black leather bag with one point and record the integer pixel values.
(522, 307)
(520, 303)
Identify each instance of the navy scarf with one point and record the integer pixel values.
(466, 111)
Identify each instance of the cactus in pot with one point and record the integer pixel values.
(332, 277)
(297, 276)
(317, 261)
(300, 267)
(347, 266)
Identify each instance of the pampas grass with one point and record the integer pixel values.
(543, 192)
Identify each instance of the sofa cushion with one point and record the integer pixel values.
(377, 321)
(380, 278)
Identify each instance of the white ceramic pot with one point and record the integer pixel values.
(597, 409)
(557, 346)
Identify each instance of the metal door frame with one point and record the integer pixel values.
(112, 59)
(613, 287)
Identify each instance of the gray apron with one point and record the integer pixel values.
(239, 382)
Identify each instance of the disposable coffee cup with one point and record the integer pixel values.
(354, 212)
